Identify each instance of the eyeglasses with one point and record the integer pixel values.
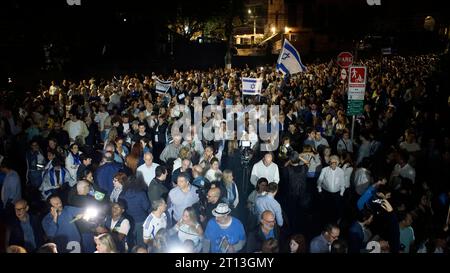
(20, 209)
(269, 222)
(334, 237)
(333, 162)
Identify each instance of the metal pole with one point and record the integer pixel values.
(353, 126)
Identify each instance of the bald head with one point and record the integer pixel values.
(83, 187)
(148, 158)
(21, 209)
(21, 202)
(268, 220)
(213, 195)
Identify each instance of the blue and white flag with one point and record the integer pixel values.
(289, 61)
(251, 86)
(162, 86)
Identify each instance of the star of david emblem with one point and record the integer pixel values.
(252, 86)
(285, 56)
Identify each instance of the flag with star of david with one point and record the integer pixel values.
(251, 86)
(289, 61)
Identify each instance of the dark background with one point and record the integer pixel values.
(79, 34)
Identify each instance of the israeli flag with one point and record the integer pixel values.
(162, 86)
(289, 61)
(251, 86)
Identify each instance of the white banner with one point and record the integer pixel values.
(251, 86)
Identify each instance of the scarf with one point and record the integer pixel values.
(62, 175)
(76, 159)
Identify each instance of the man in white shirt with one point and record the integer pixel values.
(402, 169)
(148, 168)
(155, 221)
(265, 168)
(331, 185)
(100, 119)
(76, 128)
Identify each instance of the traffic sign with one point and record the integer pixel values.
(343, 74)
(356, 89)
(345, 59)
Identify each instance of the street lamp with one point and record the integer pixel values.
(273, 29)
(286, 29)
(254, 25)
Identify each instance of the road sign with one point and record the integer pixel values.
(356, 89)
(343, 74)
(345, 59)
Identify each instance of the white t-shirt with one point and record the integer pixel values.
(148, 172)
(185, 232)
(124, 227)
(153, 224)
(74, 129)
(100, 118)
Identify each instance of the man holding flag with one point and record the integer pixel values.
(289, 61)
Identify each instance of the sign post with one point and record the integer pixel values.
(356, 91)
(345, 59)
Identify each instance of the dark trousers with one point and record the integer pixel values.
(88, 243)
(331, 204)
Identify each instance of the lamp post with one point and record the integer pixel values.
(254, 25)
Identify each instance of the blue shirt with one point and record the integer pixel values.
(64, 233)
(138, 206)
(267, 202)
(271, 234)
(11, 190)
(104, 176)
(366, 197)
(233, 234)
(319, 245)
(179, 200)
(28, 234)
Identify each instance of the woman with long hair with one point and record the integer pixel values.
(189, 228)
(131, 164)
(118, 181)
(214, 174)
(297, 244)
(73, 160)
(105, 243)
(121, 149)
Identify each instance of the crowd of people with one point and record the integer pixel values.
(92, 166)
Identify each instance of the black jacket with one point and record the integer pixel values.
(256, 239)
(16, 233)
(156, 190)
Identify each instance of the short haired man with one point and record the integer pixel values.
(265, 168)
(148, 168)
(182, 196)
(157, 188)
(267, 229)
(268, 202)
(322, 243)
(155, 221)
(25, 229)
(225, 233)
(59, 226)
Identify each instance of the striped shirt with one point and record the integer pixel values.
(153, 224)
